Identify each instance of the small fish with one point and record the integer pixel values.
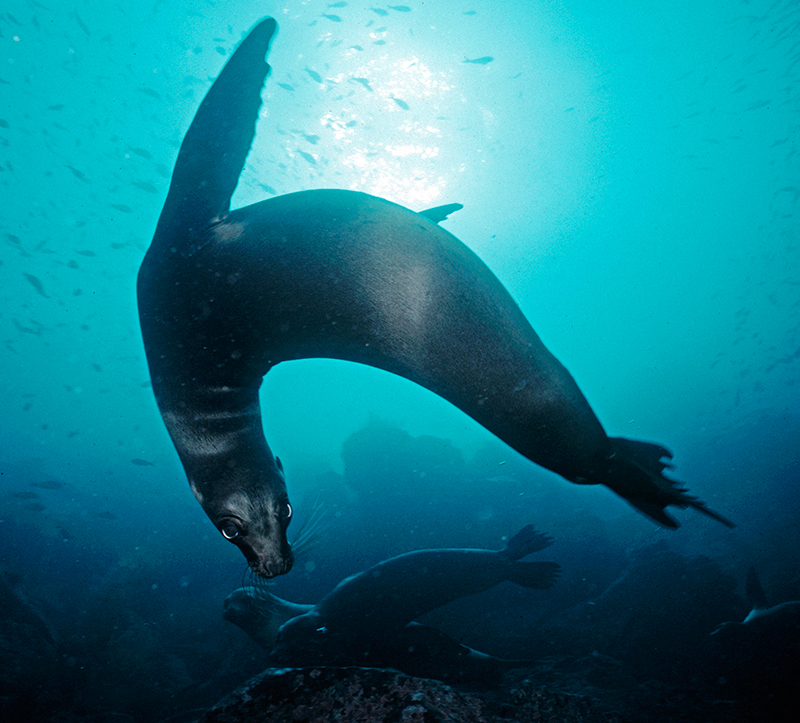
(25, 495)
(80, 22)
(105, 515)
(758, 104)
(4, 123)
(48, 484)
(363, 82)
(37, 284)
(142, 462)
(143, 152)
(337, 5)
(122, 207)
(145, 186)
(80, 175)
(57, 106)
(149, 91)
(86, 252)
(286, 86)
(380, 11)
(314, 75)
(334, 18)
(400, 8)
(308, 157)
(480, 61)
(401, 103)
(35, 506)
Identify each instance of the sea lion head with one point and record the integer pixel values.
(305, 640)
(254, 515)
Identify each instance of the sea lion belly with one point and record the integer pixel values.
(345, 275)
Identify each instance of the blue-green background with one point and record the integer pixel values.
(628, 170)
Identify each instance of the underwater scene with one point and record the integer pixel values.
(522, 281)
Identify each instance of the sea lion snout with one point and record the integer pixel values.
(272, 564)
(267, 550)
(256, 522)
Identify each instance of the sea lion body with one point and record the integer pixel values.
(226, 295)
(370, 617)
(373, 606)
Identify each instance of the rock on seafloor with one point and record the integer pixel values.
(371, 695)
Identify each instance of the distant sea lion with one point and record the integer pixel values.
(369, 618)
(765, 625)
(226, 295)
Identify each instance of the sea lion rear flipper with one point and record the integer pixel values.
(437, 214)
(754, 592)
(534, 575)
(634, 470)
(525, 542)
(216, 145)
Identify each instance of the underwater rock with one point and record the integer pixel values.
(369, 695)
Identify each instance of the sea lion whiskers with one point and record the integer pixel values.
(306, 536)
(261, 585)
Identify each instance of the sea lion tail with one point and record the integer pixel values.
(216, 145)
(635, 472)
(534, 575)
(526, 541)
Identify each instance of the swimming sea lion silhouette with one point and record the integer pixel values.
(370, 618)
(776, 624)
(225, 295)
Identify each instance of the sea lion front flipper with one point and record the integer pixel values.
(437, 214)
(634, 470)
(216, 145)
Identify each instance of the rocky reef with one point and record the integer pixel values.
(372, 695)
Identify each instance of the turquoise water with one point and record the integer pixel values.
(629, 171)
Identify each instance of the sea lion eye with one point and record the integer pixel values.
(287, 512)
(230, 530)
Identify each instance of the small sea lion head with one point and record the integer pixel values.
(303, 640)
(254, 516)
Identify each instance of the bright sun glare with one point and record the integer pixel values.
(389, 152)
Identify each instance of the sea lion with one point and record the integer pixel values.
(370, 618)
(419, 650)
(773, 625)
(225, 295)
(379, 602)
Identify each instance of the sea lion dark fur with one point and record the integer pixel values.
(370, 618)
(226, 295)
